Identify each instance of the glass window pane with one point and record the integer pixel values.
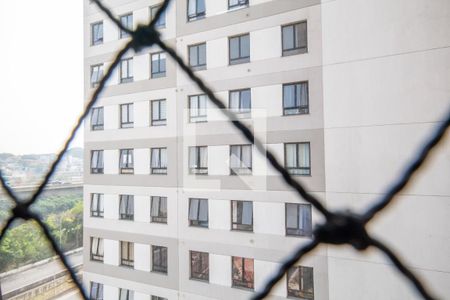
(291, 156)
(234, 100)
(162, 108)
(202, 54)
(288, 37)
(193, 52)
(291, 215)
(193, 209)
(203, 210)
(289, 96)
(246, 99)
(301, 35)
(245, 45)
(303, 155)
(247, 213)
(234, 48)
(200, 6)
(246, 156)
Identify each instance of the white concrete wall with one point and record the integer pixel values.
(220, 269)
(111, 252)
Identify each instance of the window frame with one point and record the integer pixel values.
(100, 112)
(160, 218)
(195, 275)
(160, 121)
(240, 226)
(300, 294)
(240, 112)
(242, 170)
(159, 74)
(127, 260)
(129, 294)
(127, 216)
(97, 198)
(198, 118)
(244, 284)
(99, 168)
(198, 169)
(302, 110)
(99, 291)
(198, 14)
(129, 66)
(238, 5)
(295, 50)
(123, 34)
(162, 267)
(97, 256)
(240, 59)
(161, 17)
(127, 123)
(197, 222)
(198, 66)
(96, 83)
(93, 41)
(298, 231)
(292, 170)
(159, 170)
(127, 167)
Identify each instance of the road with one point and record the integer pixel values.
(26, 277)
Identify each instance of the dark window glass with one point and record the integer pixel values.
(126, 70)
(159, 259)
(125, 294)
(97, 161)
(158, 65)
(240, 102)
(297, 158)
(97, 120)
(298, 219)
(295, 98)
(242, 272)
(199, 265)
(127, 22)
(96, 292)
(161, 22)
(237, 3)
(158, 161)
(197, 108)
(97, 207)
(159, 112)
(198, 212)
(126, 161)
(127, 115)
(240, 159)
(158, 298)
(197, 56)
(239, 48)
(300, 283)
(127, 254)
(242, 215)
(126, 207)
(196, 9)
(295, 38)
(97, 33)
(96, 74)
(198, 160)
(96, 249)
(158, 212)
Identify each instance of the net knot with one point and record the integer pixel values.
(22, 211)
(144, 36)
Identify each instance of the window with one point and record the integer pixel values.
(126, 161)
(298, 219)
(295, 38)
(239, 48)
(97, 33)
(198, 160)
(97, 162)
(240, 159)
(158, 298)
(126, 207)
(96, 292)
(242, 272)
(198, 212)
(197, 108)
(97, 118)
(126, 70)
(158, 65)
(97, 205)
(126, 254)
(300, 283)
(295, 98)
(297, 158)
(197, 56)
(159, 259)
(96, 249)
(158, 212)
(96, 75)
(242, 215)
(127, 22)
(196, 10)
(125, 294)
(241, 102)
(126, 115)
(158, 112)
(159, 160)
(161, 22)
(199, 265)
(237, 3)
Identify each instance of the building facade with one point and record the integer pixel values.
(178, 205)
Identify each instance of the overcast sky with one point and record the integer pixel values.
(41, 78)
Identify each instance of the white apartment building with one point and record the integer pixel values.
(178, 205)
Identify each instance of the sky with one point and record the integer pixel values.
(41, 77)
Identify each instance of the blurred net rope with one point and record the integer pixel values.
(339, 227)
